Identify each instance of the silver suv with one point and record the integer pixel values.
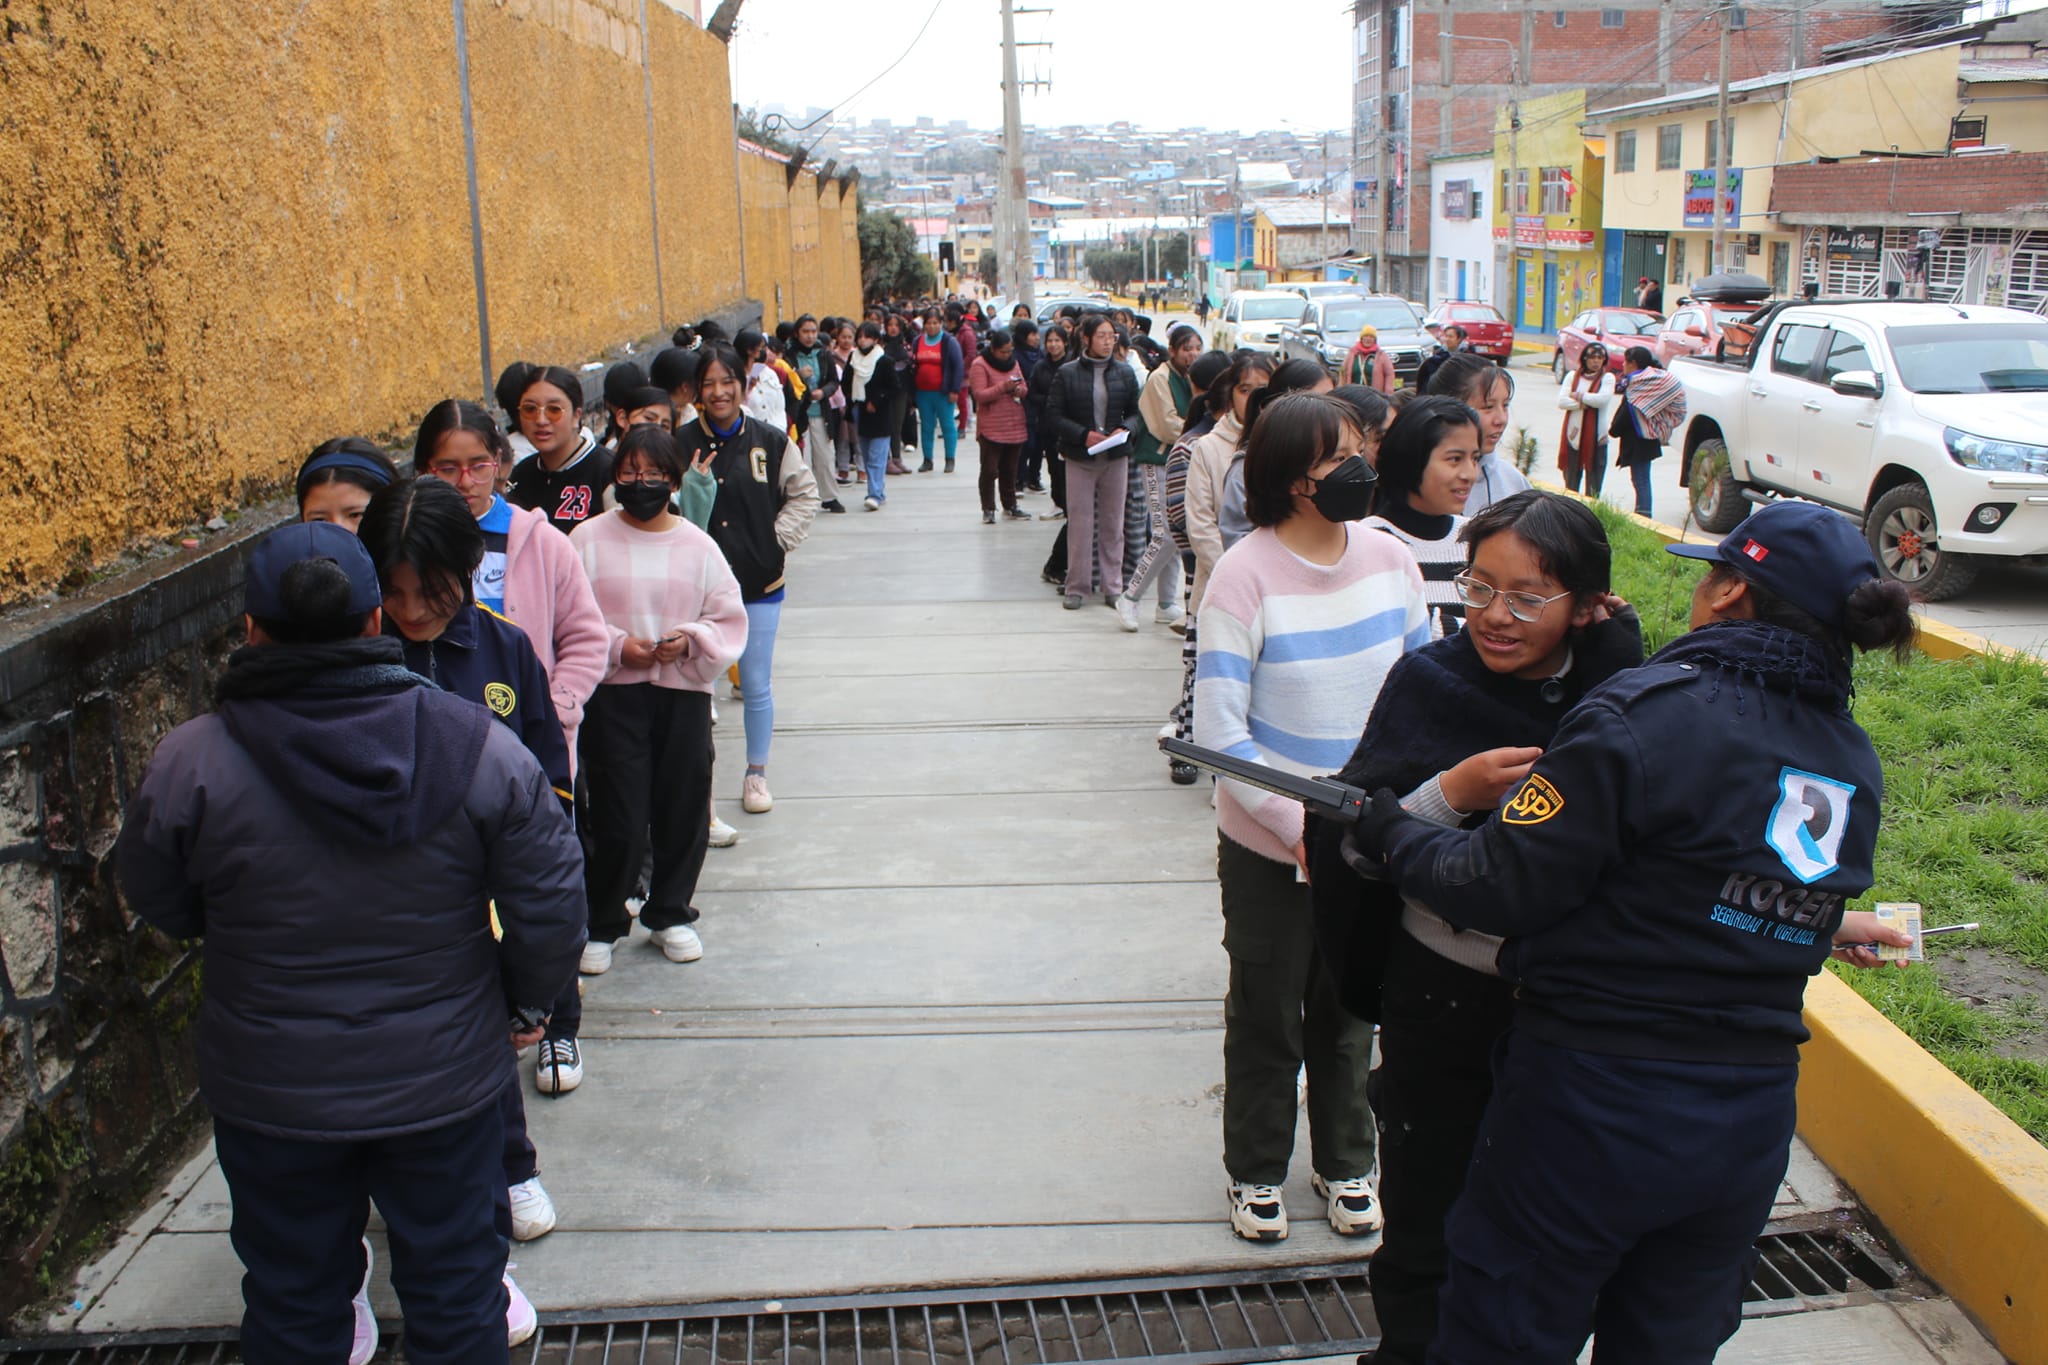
(1329, 327)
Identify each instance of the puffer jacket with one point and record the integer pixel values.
(1070, 409)
(336, 834)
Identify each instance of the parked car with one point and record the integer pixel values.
(1329, 326)
(1615, 328)
(1696, 329)
(1484, 326)
(1927, 424)
(1252, 318)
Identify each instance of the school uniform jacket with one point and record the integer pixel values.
(767, 499)
(489, 660)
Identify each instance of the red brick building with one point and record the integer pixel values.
(1428, 76)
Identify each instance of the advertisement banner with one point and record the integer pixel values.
(1856, 244)
(1528, 229)
(1699, 198)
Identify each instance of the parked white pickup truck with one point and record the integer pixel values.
(1926, 422)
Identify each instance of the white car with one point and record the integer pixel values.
(1926, 422)
(1311, 290)
(1254, 318)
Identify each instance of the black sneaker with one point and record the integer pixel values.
(988, 518)
(1183, 774)
(834, 506)
(949, 466)
(925, 468)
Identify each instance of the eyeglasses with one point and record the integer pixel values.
(473, 472)
(1523, 606)
(659, 478)
(554, 412)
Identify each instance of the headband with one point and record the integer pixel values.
(343, 459)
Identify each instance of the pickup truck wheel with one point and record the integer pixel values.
(1717, 501)
(1903, 534)
(1557, 366)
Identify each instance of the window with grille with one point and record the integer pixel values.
(1727, 142)
(1507, 186)
(1521, 191)
(1625, 151)
(1670, 146)
(1613, 18)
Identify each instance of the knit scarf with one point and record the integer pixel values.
(862, 365)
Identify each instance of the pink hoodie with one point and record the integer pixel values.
(548, 596)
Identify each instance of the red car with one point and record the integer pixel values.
(1694, 328)
(1615, 328)
(1484, 327)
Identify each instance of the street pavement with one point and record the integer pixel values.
(958, 1019)
(2008, 603)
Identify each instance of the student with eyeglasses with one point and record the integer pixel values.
(1457, 724)
(566, 476)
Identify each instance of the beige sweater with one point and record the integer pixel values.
(1208, 464)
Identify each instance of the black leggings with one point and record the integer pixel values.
(646, 754)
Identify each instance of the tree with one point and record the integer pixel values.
(1113, 267)
(991, 269)
(1173, 254)
(891, 266)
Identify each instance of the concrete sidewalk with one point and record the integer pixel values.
(958, 1019)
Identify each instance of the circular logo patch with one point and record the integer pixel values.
(500, 698)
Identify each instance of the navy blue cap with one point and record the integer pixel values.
(263, 579)
(1811, 557)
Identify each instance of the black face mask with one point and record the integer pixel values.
(1345, 493)
(643, 501)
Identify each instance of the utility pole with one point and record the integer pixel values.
(1013, 202)
(1718, 258)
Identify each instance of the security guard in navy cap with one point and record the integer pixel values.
(1667, 879)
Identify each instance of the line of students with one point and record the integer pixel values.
(1565, 944)
(586, 596)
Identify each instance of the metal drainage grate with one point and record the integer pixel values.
(1287, 1313)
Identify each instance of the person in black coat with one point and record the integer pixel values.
(1454, 722)
(873, 390)
(336, 833)
(1094, 399)
(1664, 880)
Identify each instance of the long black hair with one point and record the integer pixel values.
(427, 524)
(1408, 444)
(1292, 376)
(345, 459)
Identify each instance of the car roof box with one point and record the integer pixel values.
(1730, 286)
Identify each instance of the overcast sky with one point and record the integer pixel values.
(1166, 63)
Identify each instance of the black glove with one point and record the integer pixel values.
(1365, 844)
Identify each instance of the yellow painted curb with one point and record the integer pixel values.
(1962, 1187)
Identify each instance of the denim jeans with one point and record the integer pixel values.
(934, 415)
(1639, 475)
(875, 450)
(757, 669)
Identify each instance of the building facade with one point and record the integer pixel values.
(1547, 201)
(1428, 77)
(1461, 244)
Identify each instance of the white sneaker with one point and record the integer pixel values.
(872, 504)
(521, 1322)
(1354, 1207)
(1127, 613)
(533, 1213)
(722, 834)
(679, 943)
(597, 958)
(754, 797)
(366, 1322)
(557, 1068)
(1257, 1213)
(1172, 614)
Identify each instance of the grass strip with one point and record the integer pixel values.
(1965, 829)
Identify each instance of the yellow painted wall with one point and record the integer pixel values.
(1551, 135)
(231, 231)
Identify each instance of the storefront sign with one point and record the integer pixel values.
(1856, 244)
(1529, 229)
(1569, 239)
(1699, 198)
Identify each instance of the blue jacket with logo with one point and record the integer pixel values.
(1677, 864)
(488, 660)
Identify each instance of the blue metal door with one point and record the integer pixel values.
(1550, 296)
(1461, 280)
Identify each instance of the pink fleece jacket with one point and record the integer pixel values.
(548, 596)
(650, 584)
